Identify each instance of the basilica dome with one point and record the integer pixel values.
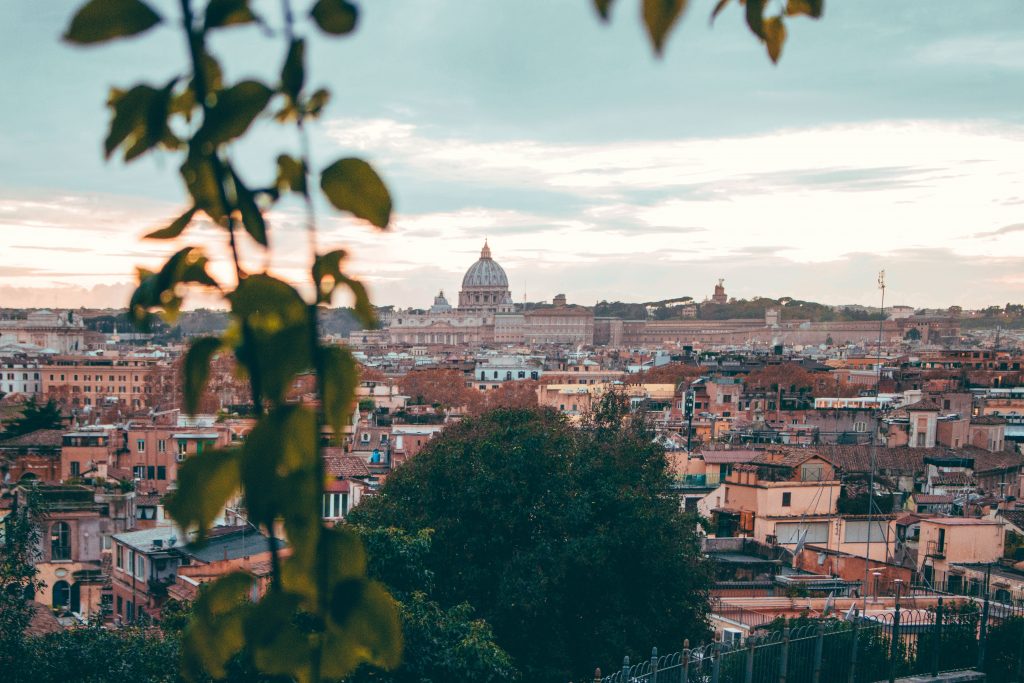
(485, 273)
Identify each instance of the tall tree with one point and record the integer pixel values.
(563, 539)
(35, 416)
(19, 550)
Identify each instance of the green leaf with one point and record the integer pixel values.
(234, 111)
(328, 277)
(197, 370)
(774, 37)
(352, 185)
(719, 6)
(603, 8)
(291, 174)
(162, 291)
(139, 121)
(201, 181)
(252, 217)
(175, 228)
(659, 17)
(812, 8)
(279, 467)
(340, 378)
(100, 20)
(369, 629)
(336, 17)
(206, 483)
(216, 632)
(276, 344)
(317, 101)
(293, 74)
(228, 13)
(755, 17)
(279, 646)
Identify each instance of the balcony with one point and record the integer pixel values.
(60, 553)
(935, 549)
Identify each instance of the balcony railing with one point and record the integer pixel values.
(934, 549)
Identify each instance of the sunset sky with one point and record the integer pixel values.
(891, 135)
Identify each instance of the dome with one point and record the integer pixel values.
(485, 273)
(441, 304)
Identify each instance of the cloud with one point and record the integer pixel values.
(1005, 230)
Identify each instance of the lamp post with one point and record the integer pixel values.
(878, 576)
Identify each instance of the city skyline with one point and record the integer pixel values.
(594, 169)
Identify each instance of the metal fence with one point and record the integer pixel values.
(856, 649)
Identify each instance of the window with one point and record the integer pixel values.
(61, 594)
(120, 557)
(161, 446)
(75, 469)
(182, 448)
(120, 605)
(60, 542)
(151, 472)
(787, 499)
(139, 472)
(161, 472)
(140, 567)
(140, 445)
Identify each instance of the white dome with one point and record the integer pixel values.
(485, 273)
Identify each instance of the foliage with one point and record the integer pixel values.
(670, 373)
(35, 416)
(445, 388)
(561, 537)
(784, 377)
(98, 655)
(441, 644)
(18, 579)
(322, 616)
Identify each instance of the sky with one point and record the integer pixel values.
(890, 136)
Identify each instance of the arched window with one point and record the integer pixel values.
(60, 541)
(61, 594)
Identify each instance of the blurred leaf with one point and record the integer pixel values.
(603, 8)
(201, 181)
(139, 121)
(175, 228)
(276, 345)
(213, 75)
(197, 370)
(291, 174)
(340, 378)
(163, 290)
(228, 13)
(327, 276)
(101, 20)
(812, 8)
(369, 630)
(336, 17)
(216, 632)
(278, 646)
(252, 217)
(352, 185)
(234, 111)
(293, 75)
(719, 6)
(317, 101)
(206, 483)
(774, 37)
(659, 17)
(755, 17)
(279, 468)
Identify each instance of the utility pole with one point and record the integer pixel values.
(688, 407)
(874, 435)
